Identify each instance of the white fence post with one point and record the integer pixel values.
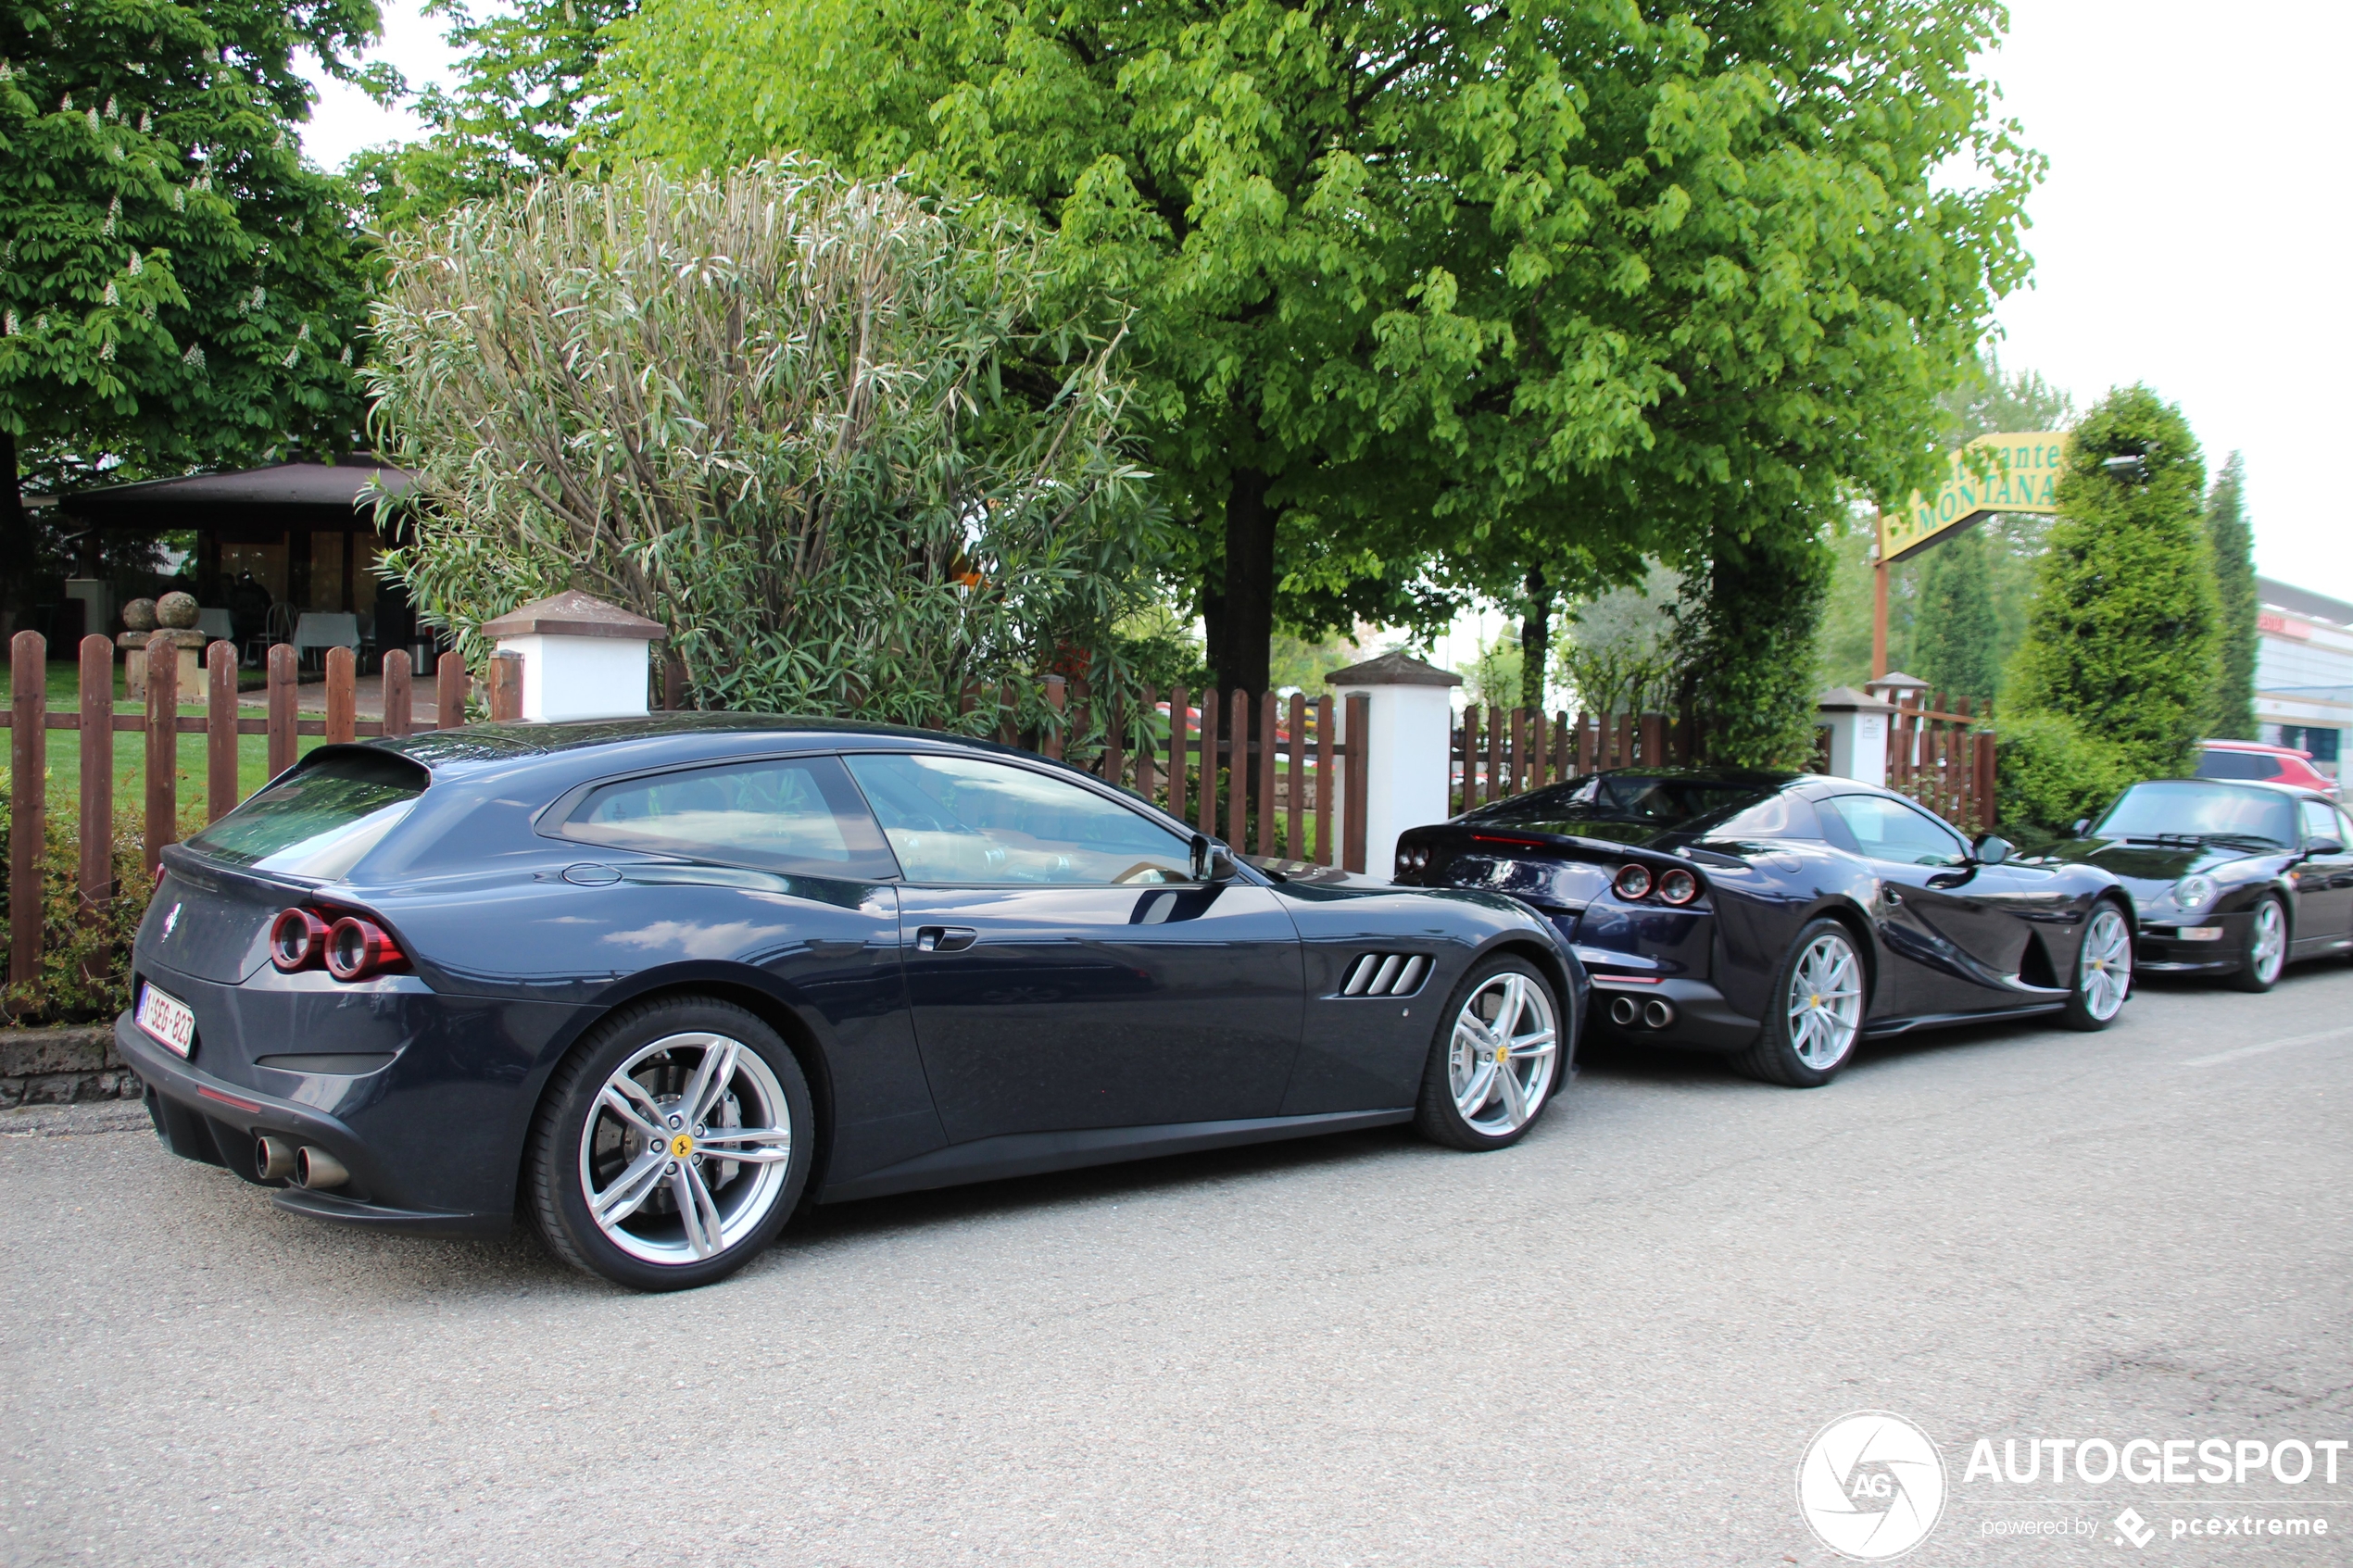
(1409, 733)
(582, 658)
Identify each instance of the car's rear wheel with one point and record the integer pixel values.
(2263, 953)
(2103, 970)
(1496, 1059)
(1816, 1014)
(672, 1145)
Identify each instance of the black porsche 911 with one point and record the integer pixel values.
(1781, 918)
(652, 980)
(2231, 879)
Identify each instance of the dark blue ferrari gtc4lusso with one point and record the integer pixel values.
(1781, 918)
(654, 980)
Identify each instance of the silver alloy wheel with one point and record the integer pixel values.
(687, 1149)
(2105, 967)
(2270, 941)
(1500, 1062)
(1825, 1001)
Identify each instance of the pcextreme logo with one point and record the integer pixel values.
(1871, 1485)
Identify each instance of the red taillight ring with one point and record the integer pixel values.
(1633, 881)
(1678, 887)
(297, 940)
(358, 948)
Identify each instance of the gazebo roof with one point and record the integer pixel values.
(165, 503)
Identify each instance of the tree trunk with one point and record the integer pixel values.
(16, 535)
(1535, 640)
(1243, 631)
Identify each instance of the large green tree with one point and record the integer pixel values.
(2122, 637)
(1505, 287)
(525, 90)
(177, 288)
(2233, 542)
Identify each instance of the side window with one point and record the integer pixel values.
(2319, 821)
(797, 815)
(2236, 765)
(1888, 830)
(963, 820)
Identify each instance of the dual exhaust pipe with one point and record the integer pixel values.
(279, 1161)
(1628, 1013)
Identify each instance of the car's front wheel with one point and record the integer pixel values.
(2103, 970)
(672, 1145)
(1816, 1013)
(2264, 951)
(1496, 1059)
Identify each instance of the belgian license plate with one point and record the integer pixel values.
(167, 1018)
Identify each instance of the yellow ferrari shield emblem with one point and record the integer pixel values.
(680, 1147)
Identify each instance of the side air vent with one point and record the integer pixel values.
(1385, 974)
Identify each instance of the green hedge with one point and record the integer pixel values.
(85, 964)
(2048, 773)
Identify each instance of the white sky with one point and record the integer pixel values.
(2192, 232)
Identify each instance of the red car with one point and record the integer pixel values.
(2253, 760)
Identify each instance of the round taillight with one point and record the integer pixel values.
(1678, 887)
(1633, 882)
(297, 940)
(358, 948)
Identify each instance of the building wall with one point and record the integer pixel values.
(2304, 672)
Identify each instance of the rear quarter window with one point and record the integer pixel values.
(320, 819)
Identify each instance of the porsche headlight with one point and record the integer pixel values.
(2194, 892)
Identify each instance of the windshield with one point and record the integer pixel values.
(2195, 808)
(318, 821)
(1633, 808)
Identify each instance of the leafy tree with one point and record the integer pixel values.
(771, 412)
(2122, 637)
(1497, 286)
(2234, 544)
(176, 288)
(1955, 633)
(523, 98)
(1746, 644)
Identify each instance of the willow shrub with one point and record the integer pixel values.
(816, 427)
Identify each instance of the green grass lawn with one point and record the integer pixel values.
(131, 755)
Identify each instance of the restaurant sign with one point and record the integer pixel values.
(1993, 473)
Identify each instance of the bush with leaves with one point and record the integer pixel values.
(2122, 636)
(816, 427)
(84, 976)
(1747, 630)
(2049, 774)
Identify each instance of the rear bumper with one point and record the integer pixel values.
(1703, 1020)
(201, 1117)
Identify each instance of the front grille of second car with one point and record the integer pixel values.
(1385, 974)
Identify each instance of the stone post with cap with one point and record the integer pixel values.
(582, 658)
(1857, 723)
(1409, 738)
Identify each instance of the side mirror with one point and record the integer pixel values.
(2082, 828)
(1212, 861)
(1991, 851)
(2324, 847)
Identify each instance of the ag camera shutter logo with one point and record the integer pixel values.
(1871, 1485)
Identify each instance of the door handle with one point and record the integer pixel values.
(944, 938)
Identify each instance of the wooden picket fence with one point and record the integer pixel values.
(1294, 769)
(1497, 752)
(1940, 753)
(1268, 774)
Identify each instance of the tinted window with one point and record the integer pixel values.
(321, 818)
(1888, 830)
(2188, 808)
(798, 815)
(962, 820)
(1633, 808)
(2320, 821)
(2214, 764)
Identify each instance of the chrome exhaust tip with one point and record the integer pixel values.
(317, 1168)
(273, 1159)
(1623, 1011)
(1657, 1013)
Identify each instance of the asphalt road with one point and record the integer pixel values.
(1610, 1344)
